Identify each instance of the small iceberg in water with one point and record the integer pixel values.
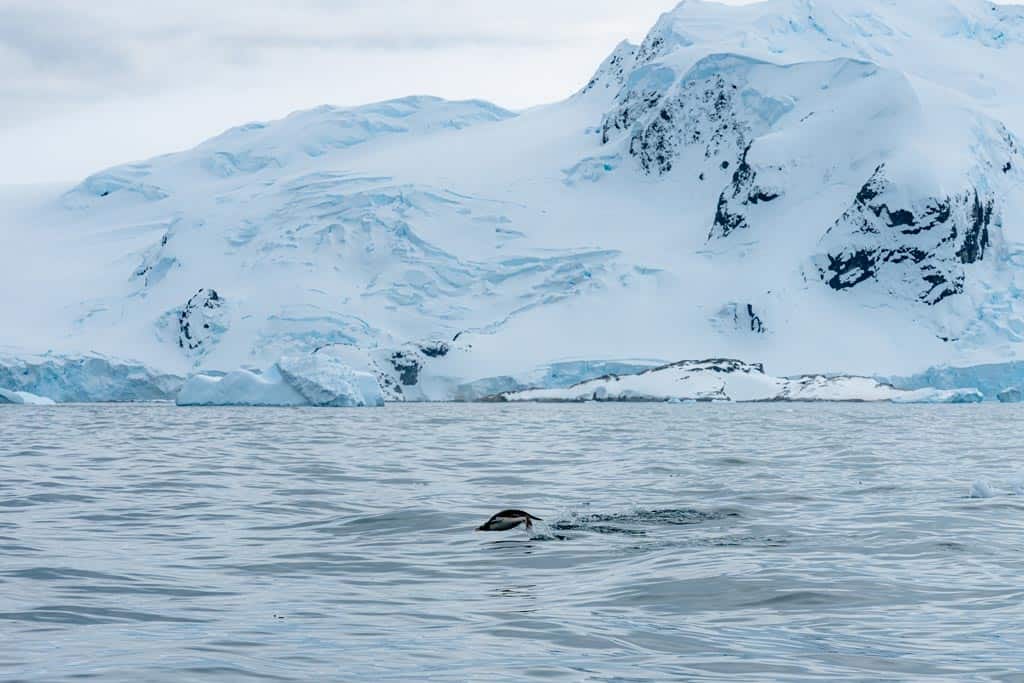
(982, 489)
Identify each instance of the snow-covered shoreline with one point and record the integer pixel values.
(724, 380)
(430, 373)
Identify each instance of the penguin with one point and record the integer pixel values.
(508, 519)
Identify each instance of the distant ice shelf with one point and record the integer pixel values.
(726, 380)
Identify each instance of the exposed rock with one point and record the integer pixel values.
(918, 251)
(612, 73)
(156, 261)
(735, 317)
(735, 201)
(408, 367)
(201, 322)
(700, 110)
(435, 349)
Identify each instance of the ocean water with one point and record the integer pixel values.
(682, 542)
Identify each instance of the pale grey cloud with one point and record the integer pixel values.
(84, 85)
(56, 53)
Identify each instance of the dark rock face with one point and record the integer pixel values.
(735, 201)
(1012, 148)
(435, 349)
(391, 387)
(401, 371)
(918, 251)
(976, 240)
(613, 72)
(408, 363)
(661, 40)
(156, 262)
(756, 325)
(700, 112)
(735, 317)
(407, 366)
(201, 321)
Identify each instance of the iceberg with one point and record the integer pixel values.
(324, 380)
(240, 388)
(1011, 395)
(313, 380)
(981, 489)
(938, 396)
(23, 398)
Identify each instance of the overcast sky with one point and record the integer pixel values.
(85, 84)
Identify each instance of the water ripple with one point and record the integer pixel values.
(678, 543)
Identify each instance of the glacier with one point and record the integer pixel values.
(992, 379)
(317, 380)
(825, 187)
(23, 398)
(84, 378)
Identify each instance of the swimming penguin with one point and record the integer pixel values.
(508, 519)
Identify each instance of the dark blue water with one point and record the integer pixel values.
(726, 542)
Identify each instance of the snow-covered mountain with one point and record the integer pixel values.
(819, 185)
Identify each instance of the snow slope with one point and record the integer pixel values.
(820, 185)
